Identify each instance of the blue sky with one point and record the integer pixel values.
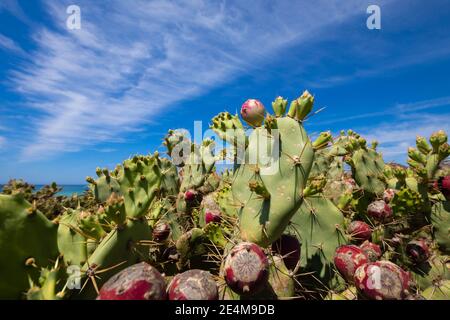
(72, 100)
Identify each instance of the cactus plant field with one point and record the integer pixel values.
(321, 217)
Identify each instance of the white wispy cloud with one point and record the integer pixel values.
(396, 110)
(133, 60)
(9, 44)
(395, 137)
(2, 142)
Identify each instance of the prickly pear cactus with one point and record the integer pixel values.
(27, 243)
(268, 194)
(440, 218)
(319, 225)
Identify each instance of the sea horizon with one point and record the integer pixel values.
(67, 189)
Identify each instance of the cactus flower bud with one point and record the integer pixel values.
(301, 107)
(279, 106)
(417, 156)
(423, 145)
(253, 112)
(322, 140)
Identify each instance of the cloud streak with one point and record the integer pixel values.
(11, 45)
(132, 60)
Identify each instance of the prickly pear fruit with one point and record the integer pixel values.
(418, 250)
(253, 112)
(161, 231)
(359, 230)
(288, 247)
(246, 268)
(190, 196)
(371, 250)
(137, 282)
(444, 186)
(347, 259)
(193, 285)
(212, 216)
(379, 210)
(388, 194)
(382, 280)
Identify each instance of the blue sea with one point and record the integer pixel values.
(67, 190)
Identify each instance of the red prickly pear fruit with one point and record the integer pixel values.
(246, 268)
(161, 231)
(212, 216)
(444, 186)
(379, 210)
(137, 282)
(288, 247)
(193, 285)
(388, 194)
(371, 250)
(190, 195)
(359, 230)
(350, 183)
(253, 112)
(382, 280)
(418, 250)
(347, 259)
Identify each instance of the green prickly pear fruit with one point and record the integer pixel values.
(279, 106)
(253, 112)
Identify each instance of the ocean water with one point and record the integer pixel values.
(67, 190)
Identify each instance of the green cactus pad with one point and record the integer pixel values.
(25, 234)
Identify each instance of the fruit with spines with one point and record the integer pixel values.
(382, 280)
(246, 268)
(140, 281)
(193, 285)
(359, 230)
(379, 210)
(371, 250)
(347, 259)
(253, 112)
